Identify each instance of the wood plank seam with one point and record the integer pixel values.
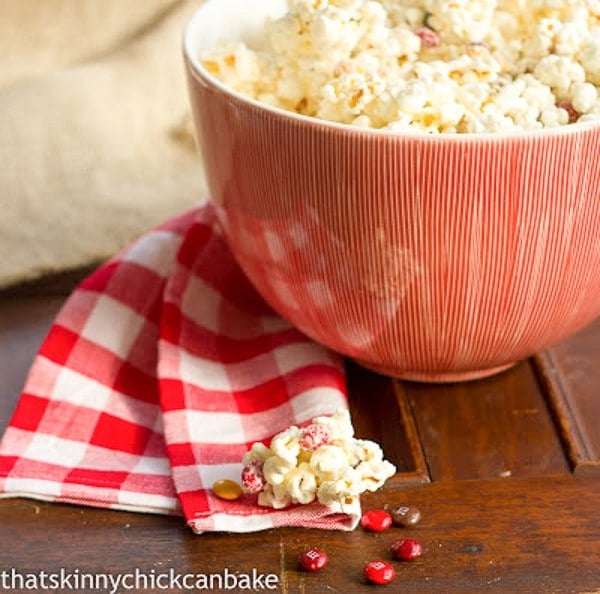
(562, 408)
(421, 473)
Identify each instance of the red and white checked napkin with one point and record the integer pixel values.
(161, 370)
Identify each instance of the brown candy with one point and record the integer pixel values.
(404, 515)
(227, 489)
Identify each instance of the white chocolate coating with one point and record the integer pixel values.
(335, 473)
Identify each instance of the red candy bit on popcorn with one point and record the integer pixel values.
(253, 479)
(429, 38)
(314, 436)
(568, 107)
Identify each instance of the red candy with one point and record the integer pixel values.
(379, 572)
(406, 549)
(429, 38)
(313, 560)
(314, 436)
(253, 479)
(376, 520)
(568, 107)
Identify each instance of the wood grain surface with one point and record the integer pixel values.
(504, 470)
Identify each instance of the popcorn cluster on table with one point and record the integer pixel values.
(433, 66)
(322, 461)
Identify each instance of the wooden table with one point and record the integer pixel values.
(506, 472)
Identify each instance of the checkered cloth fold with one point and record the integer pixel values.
(160, 371)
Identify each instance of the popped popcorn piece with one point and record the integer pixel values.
(461, 20)
(276, 468)
(329, 462)
(339, 425)
(302, 484)
(337, 492)
(286, 445)
(323, 462)
(559, 73)
(554, 117)
(427, 66)
(583, 96)
(590, 57)
(259, 452)
(274, 496)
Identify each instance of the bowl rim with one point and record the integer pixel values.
(203, 76)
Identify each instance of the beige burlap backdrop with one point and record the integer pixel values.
(95, 137)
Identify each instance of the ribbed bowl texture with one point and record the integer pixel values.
(433, 258)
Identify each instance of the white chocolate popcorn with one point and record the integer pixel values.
(337, 493)
(258, 452)
(321, 461)
(339, 425)
(329, 462)
(425, 66)
(276, 468)
(286, 446)
(301, 484)
(276, 497)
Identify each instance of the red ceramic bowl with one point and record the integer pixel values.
(433, 258)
